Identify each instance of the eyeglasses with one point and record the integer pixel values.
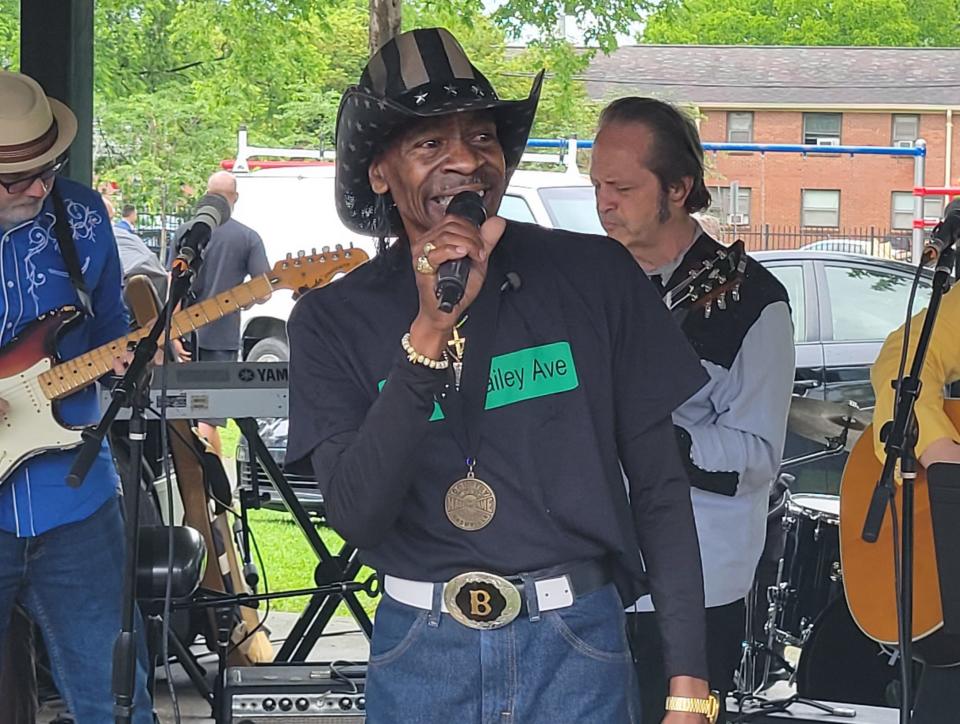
(44, 176)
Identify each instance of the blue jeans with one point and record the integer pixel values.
(572, 666)
(70, 580)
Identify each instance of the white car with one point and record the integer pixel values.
(291, 206)
(879, 248)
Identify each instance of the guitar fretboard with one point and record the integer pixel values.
(67, 377)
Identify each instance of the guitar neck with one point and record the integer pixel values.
(68, 377)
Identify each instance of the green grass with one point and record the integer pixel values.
(289, 562)
(230, 436)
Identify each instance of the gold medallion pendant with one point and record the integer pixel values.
(470, 503)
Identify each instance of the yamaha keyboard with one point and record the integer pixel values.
(217, 389)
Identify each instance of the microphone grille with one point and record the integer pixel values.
(216, 206)
(469, 205)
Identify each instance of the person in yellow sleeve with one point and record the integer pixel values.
(938, 441)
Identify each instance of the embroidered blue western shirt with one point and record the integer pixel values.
(35, 497)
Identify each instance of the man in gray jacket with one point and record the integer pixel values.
(135, 255)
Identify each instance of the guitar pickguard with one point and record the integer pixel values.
(29, 427)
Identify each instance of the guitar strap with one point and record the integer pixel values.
(68, 251)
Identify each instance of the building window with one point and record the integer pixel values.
(822, 129)
(740, 127)
(721, 205)
(820, 207)
(901, 209)
(906, 130)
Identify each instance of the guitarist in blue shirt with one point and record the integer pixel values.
(61, 548)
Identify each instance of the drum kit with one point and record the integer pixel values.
(797, 605)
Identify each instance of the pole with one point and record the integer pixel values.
(919, 179)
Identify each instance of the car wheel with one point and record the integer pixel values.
(271, 349)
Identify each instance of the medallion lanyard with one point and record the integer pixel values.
(470, 502)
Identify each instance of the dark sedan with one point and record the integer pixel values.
(844, 306)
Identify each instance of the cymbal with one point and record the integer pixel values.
(819, 420)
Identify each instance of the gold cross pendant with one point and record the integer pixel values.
(458, 344)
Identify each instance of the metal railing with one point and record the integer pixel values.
(869, 240)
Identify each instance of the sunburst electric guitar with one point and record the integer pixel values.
(32, 379)
(868, 576)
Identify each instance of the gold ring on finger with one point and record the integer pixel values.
(428, 247)
(424, 266)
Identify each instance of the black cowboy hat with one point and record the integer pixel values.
(418, 74)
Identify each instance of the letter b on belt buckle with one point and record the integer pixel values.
(482, 600)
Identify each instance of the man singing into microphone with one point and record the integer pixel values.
(472, 456)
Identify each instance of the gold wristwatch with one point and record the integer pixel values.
(709, 707)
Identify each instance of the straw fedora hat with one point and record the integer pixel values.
(34, 128)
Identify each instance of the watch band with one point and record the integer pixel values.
(709, 707)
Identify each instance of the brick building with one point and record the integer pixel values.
(814, 95)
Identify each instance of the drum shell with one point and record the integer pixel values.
(811, 559)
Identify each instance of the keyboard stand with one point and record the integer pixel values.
(330, 568)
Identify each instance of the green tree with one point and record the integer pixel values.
(796, 22)
(174, 80)
(9, 34)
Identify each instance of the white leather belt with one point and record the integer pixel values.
(552, 593)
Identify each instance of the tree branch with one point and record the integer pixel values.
(187, 66)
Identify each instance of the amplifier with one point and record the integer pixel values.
(295, 694)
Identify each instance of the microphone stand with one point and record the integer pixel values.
(900, 437)
(132, 391)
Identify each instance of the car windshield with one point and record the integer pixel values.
(573, 208)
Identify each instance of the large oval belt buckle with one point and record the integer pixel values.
(482, 600)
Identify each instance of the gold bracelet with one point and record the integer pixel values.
(419, 359)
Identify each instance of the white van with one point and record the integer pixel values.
(291, 206)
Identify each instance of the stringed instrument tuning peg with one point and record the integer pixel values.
(722, 301)
(735, 293)
(708, 310)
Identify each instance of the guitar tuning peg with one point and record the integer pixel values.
(339, 247)
(313, 251)
(325, 249)
(708, 310)
(736, 293)
(301, 254)
(722, 301)
(289, 255)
